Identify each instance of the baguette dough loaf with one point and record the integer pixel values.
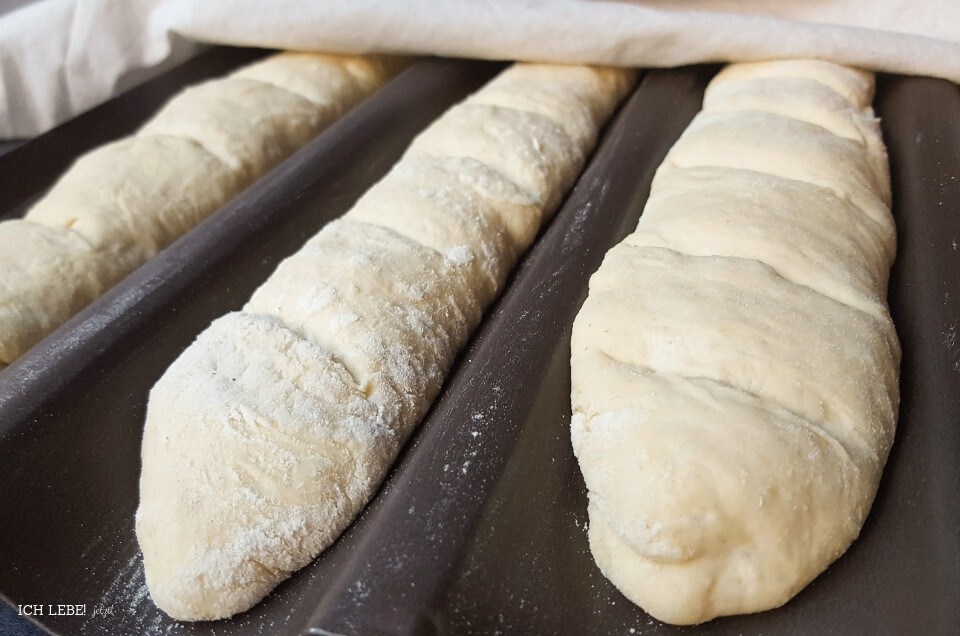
(122, 203)
(281, 420)
(734, 367)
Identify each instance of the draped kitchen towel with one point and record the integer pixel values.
(61, 57)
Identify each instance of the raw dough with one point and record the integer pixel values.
(281, 420)
(29, 251)
(734, 367)
(162, 188)
(122, 203)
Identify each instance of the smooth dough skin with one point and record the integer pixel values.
(123, 202)
(29, 251)
(270, 433)
(734, 367)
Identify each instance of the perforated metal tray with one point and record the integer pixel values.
(480, 527)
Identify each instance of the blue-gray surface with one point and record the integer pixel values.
(13, 625)
(6, 145)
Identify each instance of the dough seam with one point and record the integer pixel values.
(286, 90)
(695, 379)
(859, 140)
(772, 268)
(840, 195)
(196, 142)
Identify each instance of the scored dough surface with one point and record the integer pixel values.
(127, 200)
(104, 200)
(734, 367)
(282, 419)
(30, 250)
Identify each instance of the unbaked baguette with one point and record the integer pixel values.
(281, 420)
(734, 367)
(122, 203)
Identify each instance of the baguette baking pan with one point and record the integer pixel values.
(481, 525)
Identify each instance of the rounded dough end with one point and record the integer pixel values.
(665, 592)
(251, 465)
(693, 523)
(195, 600)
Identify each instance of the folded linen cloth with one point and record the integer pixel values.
(61, 57)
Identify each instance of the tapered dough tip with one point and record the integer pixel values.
(191, 598)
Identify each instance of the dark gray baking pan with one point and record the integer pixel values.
(480, 527)
(527, 568)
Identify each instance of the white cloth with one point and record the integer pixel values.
(61, 57)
